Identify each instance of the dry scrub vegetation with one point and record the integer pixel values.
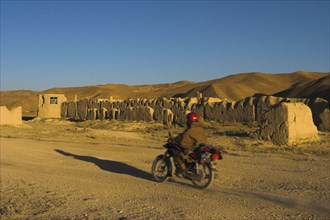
(231, 138)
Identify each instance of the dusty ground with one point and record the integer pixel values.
(101, 170)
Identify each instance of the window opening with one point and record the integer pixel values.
(53, 100)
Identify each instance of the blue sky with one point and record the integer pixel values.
(46, 44)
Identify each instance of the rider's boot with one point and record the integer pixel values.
(180, 169)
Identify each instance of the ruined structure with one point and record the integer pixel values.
(50, 106)
(288, 123)
(324, 120)
(282, 120)
(10, 117)
(174, 110)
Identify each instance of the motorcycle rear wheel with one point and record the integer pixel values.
(204, 176)
(160, 169)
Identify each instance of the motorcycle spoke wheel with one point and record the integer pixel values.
(204, 177)
(160, 170)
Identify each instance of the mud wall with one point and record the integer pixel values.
(10, 117)
(289, 124)
(50, 106)
(174, 110)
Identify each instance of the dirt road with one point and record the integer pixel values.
(43, 180)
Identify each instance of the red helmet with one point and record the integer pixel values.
(192, 117)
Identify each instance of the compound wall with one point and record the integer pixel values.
(174, 110)
(11, 117)
(288, 123)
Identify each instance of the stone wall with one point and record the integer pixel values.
(174, 110)
(10, 117)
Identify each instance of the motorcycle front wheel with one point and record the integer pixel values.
(160, 169)
(203, 177)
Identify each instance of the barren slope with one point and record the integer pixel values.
(26, 98)
(239, 86)
(311, 89)
(234, 87)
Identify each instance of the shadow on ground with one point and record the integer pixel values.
(232, 133)
(111, 166)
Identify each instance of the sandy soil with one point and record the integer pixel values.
(82, 173)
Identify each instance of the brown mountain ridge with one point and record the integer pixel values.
(234, 87)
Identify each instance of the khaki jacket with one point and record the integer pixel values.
(192, 137)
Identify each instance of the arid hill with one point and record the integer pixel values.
(233, 87)
(310, 89)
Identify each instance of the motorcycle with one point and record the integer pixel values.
(200, 164)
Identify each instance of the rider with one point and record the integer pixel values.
(192, 137)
